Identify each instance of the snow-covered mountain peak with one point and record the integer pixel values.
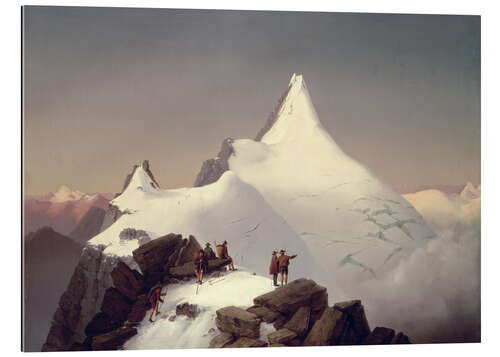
(139, 185)
(470, 192)
(64, 194)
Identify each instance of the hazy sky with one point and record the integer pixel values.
(106, 88)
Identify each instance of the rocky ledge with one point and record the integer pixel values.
(301, 316)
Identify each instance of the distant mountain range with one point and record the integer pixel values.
(69, 212)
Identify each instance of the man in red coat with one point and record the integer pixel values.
(274, 267)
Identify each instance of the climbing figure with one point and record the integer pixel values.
(200, 266)
(274, 267)
(224, 254)
(155, 295)
(284, 261)
(209, 253)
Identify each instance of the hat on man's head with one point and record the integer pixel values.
(225, 242)
(282, 251)
(207, 245)
(274, 252)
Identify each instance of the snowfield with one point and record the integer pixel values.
(357, 227)
(228, 209)
(236, 288)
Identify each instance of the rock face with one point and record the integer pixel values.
(291, 297)
(187, 270)
(299, 323)
(299, 311)
(264, 313)
(187, 309)
(212, 169)
(281, 336)
(127, 281)
(100, 324)
(151, 257)
(245, 342)
(111, 216)
(138, 311)
(271, 119)
(379, 336)
(221, 340)
(113, 340)
(81, 300)
(238, 322)
(89, 226)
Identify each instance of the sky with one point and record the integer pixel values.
(106, 88)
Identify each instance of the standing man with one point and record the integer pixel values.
(155, 295)
(200, 266)
(223, 253)
(284, 261)
(274, 267)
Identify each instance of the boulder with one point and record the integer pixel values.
(264, 313)
(379, 336)
(289, 298)
(188, 251)
(328, 328)
(280, 321)
(152, 256)
(126, 281)
(221, 340)
(113, 340)
(281, 336)
(238, 322)
(244, 342)
(188, 310)
(400, 338)
(116, 305)
(187, 269)
(138, 311)
(101, 323)
(357, 320)
(299, 323)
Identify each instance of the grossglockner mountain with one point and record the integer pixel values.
(291, 188)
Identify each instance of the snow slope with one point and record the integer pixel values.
(357, 227)
(228, 209)
(232, 288)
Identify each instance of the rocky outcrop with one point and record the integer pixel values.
(281, 336)
(151, 257)
(221, 340)
(187, 309)
(105, 294)
(212, 169)
(187, 270)
(188, 251)
(245, 342)
(81, 300)
(288, 299)
(111, 216)
(301, 316)
(113, 340)
(238, 322)
(273, 116)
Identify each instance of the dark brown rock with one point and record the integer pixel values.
(289, 298)
(281, 336)
(357, 320)
(100, 323)
(299, 323)
(379, 336)
(116, 305)
(187, 309)
(138, 311)
(221, 340)
(113, 340)
(280, 321)
(126, 281)
(189, 251)
(244, 342)
(238, 322)
(328, 328)
(187, 269)
(400, 338)
(152, 256)
(264, 313)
